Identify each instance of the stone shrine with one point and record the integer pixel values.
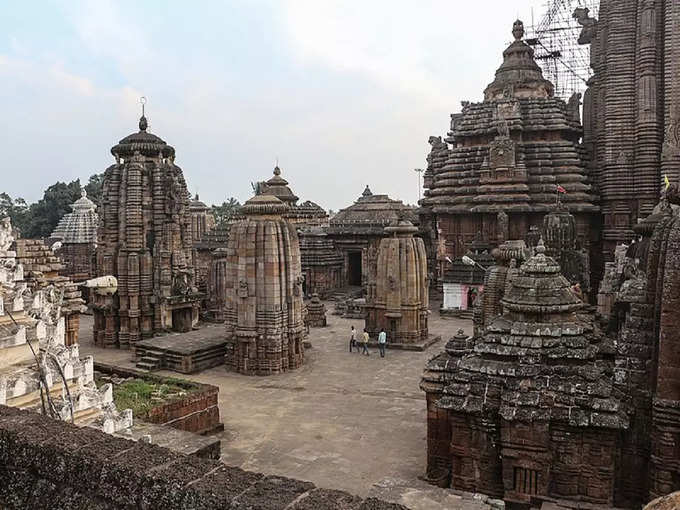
(77, 233)
(321, 262)
(316, 313)
(499, 171)
(528, 410)
(145, 241)
(264, 306)
(357, 231)
(398, 302)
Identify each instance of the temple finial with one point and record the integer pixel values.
(518, 30)
(143, 124)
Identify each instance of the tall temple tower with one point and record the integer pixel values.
(631, 109)
(263, 305)
(145, 242)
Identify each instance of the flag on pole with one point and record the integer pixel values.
(666, 182)
(560, 189)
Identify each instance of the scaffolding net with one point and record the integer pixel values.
(554, 37)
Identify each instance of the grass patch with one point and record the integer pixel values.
(141, 395)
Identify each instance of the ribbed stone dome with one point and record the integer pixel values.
(80, 225)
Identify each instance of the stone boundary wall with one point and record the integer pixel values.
(52, 464)
(197, 412)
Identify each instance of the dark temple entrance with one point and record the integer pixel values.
(354, 268)
(182, 319)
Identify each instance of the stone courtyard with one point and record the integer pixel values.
(342, 421)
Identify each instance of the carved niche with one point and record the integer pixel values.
(502, 154)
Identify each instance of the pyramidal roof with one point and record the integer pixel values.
(80, 225)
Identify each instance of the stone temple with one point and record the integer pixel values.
(77, 233)
(145, 241)
(264, 306)
(509, 155)
(398, 302)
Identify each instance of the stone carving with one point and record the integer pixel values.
(6, 238)
(502, 154)
(503, 227)
(502, 128)
(574, 107)
(582, 15)
(242, 289)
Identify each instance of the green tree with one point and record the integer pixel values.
(94, 188)
(225, 212)
(44, 215)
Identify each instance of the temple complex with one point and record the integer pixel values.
(398, 301)
(38, 370)
(77, 233)
(506, 160)
(264, 304)
(145, 241)
(357, 231)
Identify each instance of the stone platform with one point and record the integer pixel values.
(418, 347)
(187, 353)
(180, 441)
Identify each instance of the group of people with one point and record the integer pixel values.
(354, 342)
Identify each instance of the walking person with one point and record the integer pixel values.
(365, 343)
(382, 340)
(353, 340)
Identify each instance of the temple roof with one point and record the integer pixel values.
(261, 205)
(519, 75)
(80, 225)
(146, 143)
(197, 205)
(277, 186)
(370, 214)
(539, 361)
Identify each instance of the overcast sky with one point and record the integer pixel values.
(345, 93)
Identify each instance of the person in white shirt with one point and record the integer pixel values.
(382, 340)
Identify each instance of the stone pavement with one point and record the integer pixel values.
(343, 421)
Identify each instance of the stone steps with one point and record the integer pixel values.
(148, 363)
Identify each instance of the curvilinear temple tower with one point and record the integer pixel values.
(145, 242)
(632, 109)
(263, 282)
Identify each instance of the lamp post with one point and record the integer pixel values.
(470, 262)
(419, 171)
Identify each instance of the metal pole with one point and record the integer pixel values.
(419, 171)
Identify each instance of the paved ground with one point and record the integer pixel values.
(342, 421)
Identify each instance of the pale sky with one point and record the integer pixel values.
(344, 93)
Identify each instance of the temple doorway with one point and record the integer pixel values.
(182, 319)
(354, 268)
